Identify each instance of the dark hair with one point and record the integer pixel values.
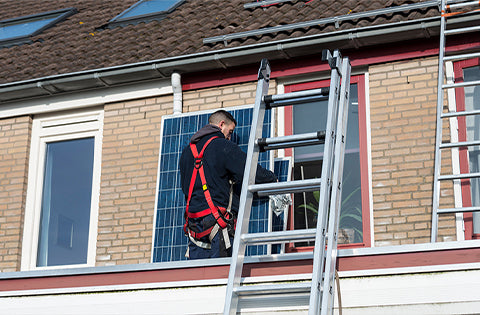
(220, 115)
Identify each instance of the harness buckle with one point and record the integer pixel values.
(198, 163)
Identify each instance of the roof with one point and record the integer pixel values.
(84, 42)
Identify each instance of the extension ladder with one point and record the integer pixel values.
(321, 287)
(447, 9)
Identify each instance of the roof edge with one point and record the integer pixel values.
(218, 59)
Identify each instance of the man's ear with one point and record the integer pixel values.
(221, 123)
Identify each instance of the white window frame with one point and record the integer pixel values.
(58, 127)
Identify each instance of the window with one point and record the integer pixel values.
(467, 99)
(307, 163)
(17, 31)
(170, 243)
(145, 11)
(63, 188)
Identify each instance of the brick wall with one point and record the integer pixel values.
(403, 104)
(131, 138)
(14, 153)
(403, 114)
(219, 97)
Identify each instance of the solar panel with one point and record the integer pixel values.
(170, 243)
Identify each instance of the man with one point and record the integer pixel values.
(211, 169)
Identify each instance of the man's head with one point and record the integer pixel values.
(225, 121)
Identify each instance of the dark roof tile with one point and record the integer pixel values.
(82, 42)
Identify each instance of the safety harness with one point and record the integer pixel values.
(223, 216)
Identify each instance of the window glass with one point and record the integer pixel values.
(473, 133)
(23, 28)
(147, 7)
(312, 117)
(17, 30)
(66, 200)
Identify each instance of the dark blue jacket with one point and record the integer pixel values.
(223, 160)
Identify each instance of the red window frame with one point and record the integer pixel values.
(463, 152)
(362, 119)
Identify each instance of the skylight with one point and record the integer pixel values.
(18, 30)
(146, 10)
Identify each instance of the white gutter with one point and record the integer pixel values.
(177, 92)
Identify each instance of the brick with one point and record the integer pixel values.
(405, 65)
(14, 154)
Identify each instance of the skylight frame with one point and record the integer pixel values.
(159, 15)
(60, 15)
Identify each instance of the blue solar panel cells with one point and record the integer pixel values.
(170, 242)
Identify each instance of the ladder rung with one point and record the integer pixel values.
(459, 4)
(461, 84)
(285, 288)
(296, 97)
(463, 113)
(458, 210)
(450, 2)
(459, 176)
(279, 237)
(286, 187)
(462, 30)
(461, 57)
(459, 144)
(292, 141)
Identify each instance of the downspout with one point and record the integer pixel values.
(177, 93)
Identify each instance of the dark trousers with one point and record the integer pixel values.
(218, 249)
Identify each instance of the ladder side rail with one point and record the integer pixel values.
(336, 198)
(326, 174)
(438, 136)
(246, 196)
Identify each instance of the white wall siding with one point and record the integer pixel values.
(441, 292)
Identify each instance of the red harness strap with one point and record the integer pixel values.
(219, 213)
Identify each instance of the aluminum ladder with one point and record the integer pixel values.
(450, 9)
(321, 287)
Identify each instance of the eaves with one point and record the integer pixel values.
(223, 58)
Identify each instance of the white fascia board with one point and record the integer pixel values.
(86, 99)
(435, 293)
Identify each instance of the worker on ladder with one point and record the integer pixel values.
(209, 168)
